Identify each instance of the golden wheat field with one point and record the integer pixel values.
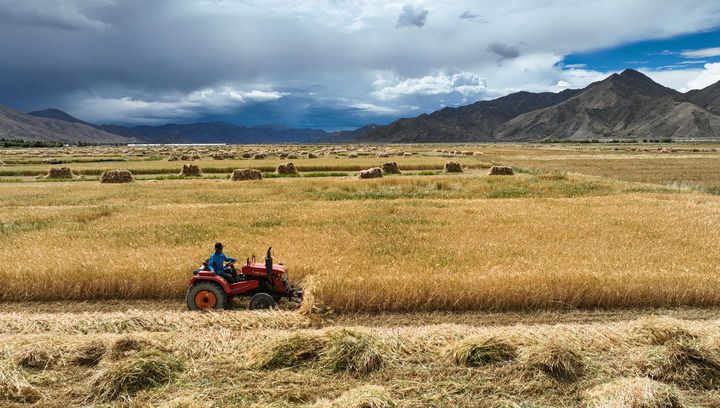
(588, 278)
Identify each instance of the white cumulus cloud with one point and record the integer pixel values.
(701, 53)
(101, 109)
(464, 83)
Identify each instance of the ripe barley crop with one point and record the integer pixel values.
(400, 243)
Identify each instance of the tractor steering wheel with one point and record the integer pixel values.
(230, 264)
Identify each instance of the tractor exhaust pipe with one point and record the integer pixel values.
(268, 262)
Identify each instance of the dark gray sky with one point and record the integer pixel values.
(327, 63)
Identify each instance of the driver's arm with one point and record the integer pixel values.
(228, 259)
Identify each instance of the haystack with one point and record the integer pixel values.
(312, 155)
(292, 351)
(260, 156)
(375, 172)
(390, 168)
(687, 363)
(352, 351)
(452, 167)
(352, 156)
(479, 351)
(190, 170)
(14, 387)
(60, 173)
(88, 354)
(287, 168)
(173, 157)
(292, 156)
(501, 171)
(38, 356)
(633, 393)
(117, 176)
(128, 345)
(130, 375)
(662, 330)
(557, 359)
(246, 174)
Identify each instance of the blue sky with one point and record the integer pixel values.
(676, 53)
(334, 64)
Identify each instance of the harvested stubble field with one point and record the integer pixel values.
(284, 359)
(547, 283)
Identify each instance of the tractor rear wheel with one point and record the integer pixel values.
(206, 296)
(262, 301)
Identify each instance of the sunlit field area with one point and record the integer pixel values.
(570, 283)
(413, 241)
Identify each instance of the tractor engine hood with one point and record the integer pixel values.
(260, 267)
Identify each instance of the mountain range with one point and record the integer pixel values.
(18, 125)
(628, 105)
(206, 132)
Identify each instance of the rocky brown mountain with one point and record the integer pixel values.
(626, 105)
(708, 98)
(18, 125)
(477, 122)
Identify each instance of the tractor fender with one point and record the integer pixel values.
(211, 277)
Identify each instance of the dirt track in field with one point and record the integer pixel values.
(164, 308)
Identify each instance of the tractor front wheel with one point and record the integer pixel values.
(206, 296)
(262, 301)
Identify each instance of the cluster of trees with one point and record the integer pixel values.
(28, 143)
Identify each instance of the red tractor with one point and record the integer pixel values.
(265, 284)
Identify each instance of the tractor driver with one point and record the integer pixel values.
(216, 263)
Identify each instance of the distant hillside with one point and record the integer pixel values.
(210, 132)
(477, 122)
(708, 98)
(627, 105)
(18, 125)
(52, 113)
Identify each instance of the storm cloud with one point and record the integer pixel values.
(410, 16)
(306, 63)
(469, 16)
(504, 50)
(56, 14)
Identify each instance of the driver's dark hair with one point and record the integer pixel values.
(218, 246)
